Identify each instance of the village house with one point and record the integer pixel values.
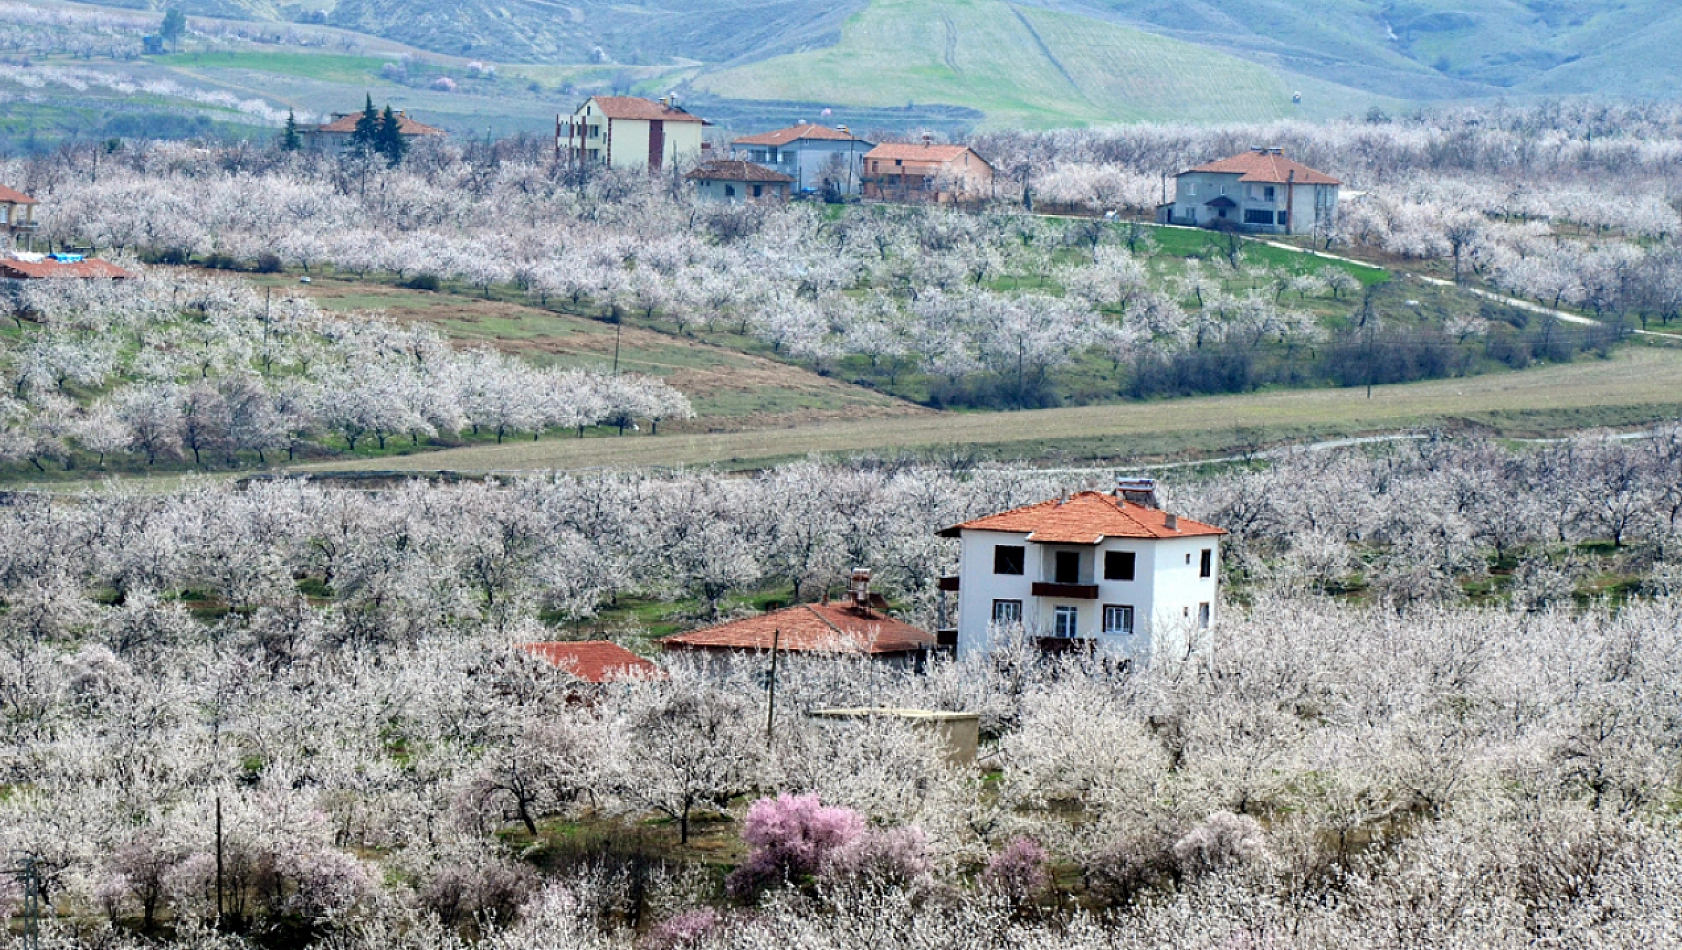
(735, 182)
(335, 135)
(1259, 191)
(819, 159)
(943, 173)
(18, 265)
(17, 214)
(858, 627)
(629, 132)
(596, 662)
(1106, 571)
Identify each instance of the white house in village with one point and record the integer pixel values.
(1109, 571)
(816, 157)
(1260, 191)
(629, 132)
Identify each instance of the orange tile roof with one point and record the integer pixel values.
(405, 125)
(1269, 167)
(49, 268)
(635, 107)
(595, 661)
(809, 628)
(1087, 518)
(12, 196)
(900, 151)
(796, 132)
(728, 170)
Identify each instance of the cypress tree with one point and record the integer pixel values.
(390, 142)
(366, 136)
(289, 141)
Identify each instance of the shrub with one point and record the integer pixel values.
(422, 282)
(1223, 840)
(888, 855)
(1019, 871)
(684, 930)
(792, 836)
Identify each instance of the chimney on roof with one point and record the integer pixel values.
(1136, 489)
(1171, 521)
(926, 139)
(858, 588)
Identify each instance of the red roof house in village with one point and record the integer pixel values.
(334, 134)
(58, 266)
(1095, 570)
(1260, 190)
(595, 661)
(903, 171)
(858, 627)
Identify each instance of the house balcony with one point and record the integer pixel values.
(1066, 591)
(1058, 646)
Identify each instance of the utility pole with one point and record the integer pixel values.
(771, 707)
(31, 903)
(618, 328)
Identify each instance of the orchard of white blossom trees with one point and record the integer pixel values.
(179, 368)
(999, 308)
(292, 714)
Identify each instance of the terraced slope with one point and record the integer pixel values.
(1026, 66)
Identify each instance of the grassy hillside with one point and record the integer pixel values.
(1023, 66)
(1435, 48)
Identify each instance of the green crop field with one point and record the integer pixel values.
(322, 67)
(1027, 67)
(1637, 386)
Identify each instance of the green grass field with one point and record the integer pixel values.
(1636, 387)
(1027, 67)
(323, 67)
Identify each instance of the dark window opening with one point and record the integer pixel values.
(1009, 559)
(1206, 565)
(1068, 567)
(1119, 565)
(1254, 216)
(1007, 611)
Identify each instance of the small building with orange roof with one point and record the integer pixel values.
(595, 661)
(1259, 191)
(856, 627)
(336, 134)
(1108, 571)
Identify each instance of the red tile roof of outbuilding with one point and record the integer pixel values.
(809, 628)
(1269, 167)
(49, 268)
(1087, 518)
(731, 170)
(405, 125)
(12, 196)
(595, 661)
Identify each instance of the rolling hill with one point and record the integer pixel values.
(1060, 69)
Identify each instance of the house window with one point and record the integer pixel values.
(1267, 193)
(1257, 216)
(729, 191)
(1067, 567)
(1191, 187)
(1119, 565)
(1284, 219)
(1206, 563)
(1223, 189)
(758, 191)
(1118, 620)
(1007, 612)
(1009, 559)
(899, 163)
(1203, 616)
(1064, 623)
